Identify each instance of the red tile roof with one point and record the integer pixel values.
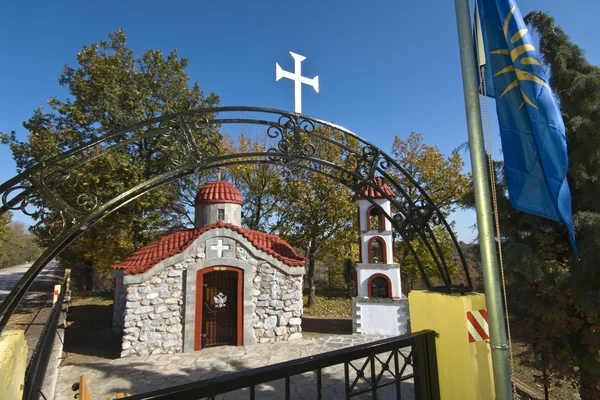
(219, 192)
(146, 257)
(369, 191)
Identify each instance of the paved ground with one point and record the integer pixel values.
(143, 374)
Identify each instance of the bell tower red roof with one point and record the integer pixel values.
(367, 191)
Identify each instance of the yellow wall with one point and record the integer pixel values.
(465, 369)
(13, 359)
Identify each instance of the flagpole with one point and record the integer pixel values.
(487, 244)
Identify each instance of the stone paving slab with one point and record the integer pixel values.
(137, 375)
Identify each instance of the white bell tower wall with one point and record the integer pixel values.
(376, 309)
(367, 233)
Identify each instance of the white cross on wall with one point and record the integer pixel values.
(298, 79)
(220, 247)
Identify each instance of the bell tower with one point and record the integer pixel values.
(376, 245)
(379, 307)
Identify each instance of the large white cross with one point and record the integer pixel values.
(220, 247)
(298, 79)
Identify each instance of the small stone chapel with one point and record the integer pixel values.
(216, 284)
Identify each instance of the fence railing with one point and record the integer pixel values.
(38, 364)
(368, 369)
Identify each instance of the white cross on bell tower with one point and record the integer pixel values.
(298, 79)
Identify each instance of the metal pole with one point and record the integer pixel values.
(487, 244)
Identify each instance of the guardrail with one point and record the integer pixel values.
(36, 369)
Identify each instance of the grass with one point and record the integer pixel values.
(92, 299)
(526, 374)
(329, 304)
(89, 336)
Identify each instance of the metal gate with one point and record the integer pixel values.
(219, 314)
(65, 205)
(392, 368)
(219, 307)
(56, 194)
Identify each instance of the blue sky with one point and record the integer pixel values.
(386, 68)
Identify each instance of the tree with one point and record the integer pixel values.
(342, 248)
(349, 275)
(411, 275)
(442, 178)
(316, 207)
(553, 297)
(111, 88)
(5, 220)
(300, 205)
(5, 224)
(17, 245)
(260, 184)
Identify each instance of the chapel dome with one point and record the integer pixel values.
(219, 192)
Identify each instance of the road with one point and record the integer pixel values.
(9, 278)
(43, 284)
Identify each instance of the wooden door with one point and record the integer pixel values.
(217, 306)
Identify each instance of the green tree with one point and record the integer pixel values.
(443, 180)
(5, 220)
(349, 275)
(316, 207)
(260, 184)
(275, 201)
(577, 86)
(440, 176)
(17, 246)
(411, 276)
(554, 298)
(5, 224)
(111, 88)
(337, 251)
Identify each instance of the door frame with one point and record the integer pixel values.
(199, 303)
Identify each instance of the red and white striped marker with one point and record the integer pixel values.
(56, 293)
(477, 324)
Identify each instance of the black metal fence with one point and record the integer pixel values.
(368, 369)
(38, 364)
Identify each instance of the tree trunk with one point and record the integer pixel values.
(311, 277)
(257, 216)
(545, 376)
(89, 277)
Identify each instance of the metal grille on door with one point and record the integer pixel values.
(219, 316)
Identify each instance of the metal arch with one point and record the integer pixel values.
(50, 190)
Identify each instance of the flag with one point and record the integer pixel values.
(531, 125)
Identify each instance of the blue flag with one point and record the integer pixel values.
(531, 124)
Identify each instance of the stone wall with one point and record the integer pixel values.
(278, 305)
(153, 314)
